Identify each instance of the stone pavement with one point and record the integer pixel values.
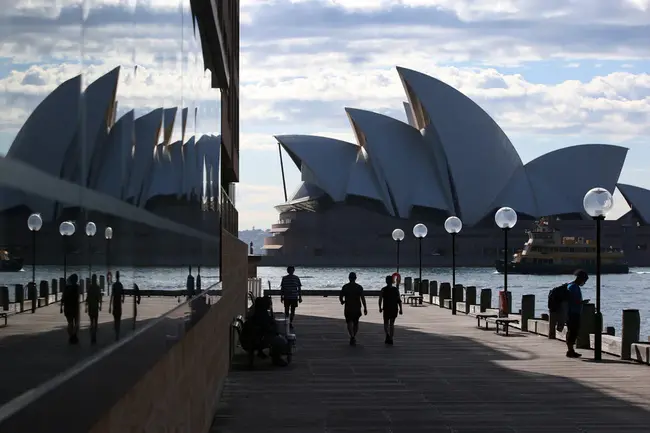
(34, 347)
(442, 375)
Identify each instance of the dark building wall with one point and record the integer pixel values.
(344, 235)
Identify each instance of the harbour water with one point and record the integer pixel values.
(618, 292)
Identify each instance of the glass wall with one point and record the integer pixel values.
(109, 128)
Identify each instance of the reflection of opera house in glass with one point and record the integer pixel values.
(76, 136)
(450, 159)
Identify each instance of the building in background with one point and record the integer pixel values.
(450, 159)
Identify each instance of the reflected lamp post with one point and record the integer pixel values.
(108, 235)
(453, 226)
(91, 230)
(34, 223)
(597, 203)
(66, 229)
(420, 231)
(505, 218)
(398, 237)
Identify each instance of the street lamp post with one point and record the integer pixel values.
(398, 237)
(34, 223)
(505, 218)
(91, 230)
(453, 226)
(108, 235)
(66, 229)
(420, 231)
(597, 203)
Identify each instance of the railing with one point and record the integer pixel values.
(229, 215)
(255, 287)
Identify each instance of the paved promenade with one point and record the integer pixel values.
(34, 347)
(442, 375)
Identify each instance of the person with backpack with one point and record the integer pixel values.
(558, 306)
(574, 315)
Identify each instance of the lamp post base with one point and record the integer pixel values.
(598, 336)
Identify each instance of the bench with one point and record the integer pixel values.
(4, 316)
(485, 317)
(412, 298)
(503, 323)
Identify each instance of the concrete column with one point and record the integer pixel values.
(4, 297)
(444, 293)
(55, 289)
(19, 296)
(486, 299)
(587, 326)
(470, 297)
(630, 332)
(408, 284)
(527, 310)
(424, 287)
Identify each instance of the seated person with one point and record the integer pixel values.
(260, 332)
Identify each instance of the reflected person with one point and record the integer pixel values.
(93, 305)
(70, 307)
(115, 304)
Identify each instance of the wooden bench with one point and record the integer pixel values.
(485, 317)
(503, 323)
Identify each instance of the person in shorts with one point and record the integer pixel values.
(352, 298)
(115, 304)
(93, 305)
(390, 304)
(290, 294)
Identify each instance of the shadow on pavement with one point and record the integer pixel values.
(425, 383)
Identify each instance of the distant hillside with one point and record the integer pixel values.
(256, 236)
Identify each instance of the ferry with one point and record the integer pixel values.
(547, 252)
(9, 263)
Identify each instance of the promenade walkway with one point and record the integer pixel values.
(442, 375)
(34, 347)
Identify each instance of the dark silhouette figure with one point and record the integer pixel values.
(390, 304)
(116, 301)
(198, 280)
(352, 298)
(70, 307)
(290, 294)
(260, 332)
(575, 311)
(190, 284)
(93, 305)
(136, 301)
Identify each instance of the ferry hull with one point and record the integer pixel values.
(11, 265)
(556, 269)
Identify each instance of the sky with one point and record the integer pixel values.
(552, 73)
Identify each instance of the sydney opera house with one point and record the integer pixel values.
(130, 158)
(451, 158)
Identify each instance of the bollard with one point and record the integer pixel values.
(470, 298)
(408, 284)
(4, 297)
(416, 285)
(457, 295)
(424, 287)
(19, 296)
(610, 330)
(55, 289)
(486, 299)
(587, 326)
(32, 295)
(505, 303)
(444, 293)
(62, 285)
(630, 332)
(102, 283)
(44, 291)
(527, 310)
(433, 288)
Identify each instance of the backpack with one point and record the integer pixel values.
(556, 296)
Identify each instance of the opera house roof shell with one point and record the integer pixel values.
(451, 157)
(130, 158)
